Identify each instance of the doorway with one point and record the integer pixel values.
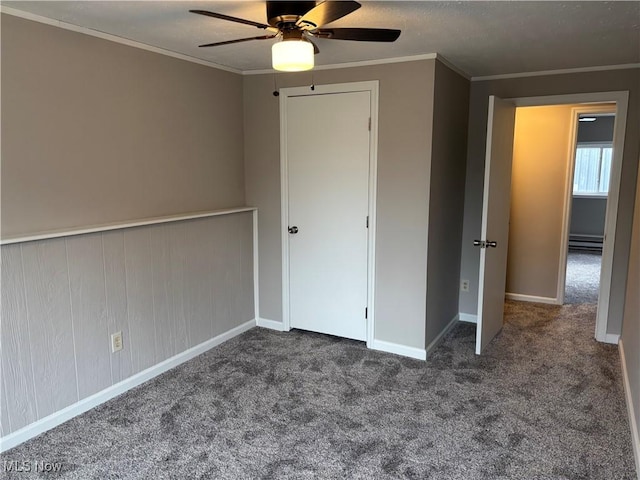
(593, 152)
(494, 303)
(328, 174)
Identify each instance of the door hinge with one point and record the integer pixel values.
(369, 123)
(366, 312)
(367, 221)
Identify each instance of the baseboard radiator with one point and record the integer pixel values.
(592, 243)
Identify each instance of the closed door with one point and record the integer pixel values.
(495, 220)
(327, 149)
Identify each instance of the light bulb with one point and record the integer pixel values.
(292, 55)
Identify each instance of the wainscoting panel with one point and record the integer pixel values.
(46, 279)
(165, 329)
(178, 265)
(89, 313)
(222, 294)
(227, 299)
(167, 287)
(115, 278)
(247, 268)
(197, 291)
(4, 411)
(139, 279)
(17, 374)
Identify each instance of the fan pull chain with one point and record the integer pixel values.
(313, 84)
(276, 92)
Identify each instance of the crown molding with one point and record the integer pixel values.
(445, 61)
(112, 38)
(563, 71)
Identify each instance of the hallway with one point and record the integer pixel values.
(583, 277)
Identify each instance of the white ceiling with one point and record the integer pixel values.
(480, 38)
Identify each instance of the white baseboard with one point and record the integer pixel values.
(635, 433)
(531, 298)
(468, 317)
(413, 352)
(67, 413)
(441, 335)
(270, 324)
(398, 349)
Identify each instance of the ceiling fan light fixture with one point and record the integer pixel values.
(292, 55)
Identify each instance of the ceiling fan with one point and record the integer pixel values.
(296, 23)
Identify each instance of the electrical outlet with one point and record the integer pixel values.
(116, 342)
(464, 285)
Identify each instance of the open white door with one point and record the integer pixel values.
(495, 220)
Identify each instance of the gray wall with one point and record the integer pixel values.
(601, 130)
(631, 323)
(96, 132)
(602, 81)
(588, 216)
(404, 165)
(446, 198)
(167, 287)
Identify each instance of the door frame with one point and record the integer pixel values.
(568, 199)
(285, 93)
(621, 101)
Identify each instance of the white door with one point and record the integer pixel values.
(495, 220)
(327, 149)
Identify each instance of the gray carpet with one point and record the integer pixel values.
(582, 283)
(544, 402)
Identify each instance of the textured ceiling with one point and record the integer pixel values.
(480, 38)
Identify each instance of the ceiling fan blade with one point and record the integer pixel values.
(358, 34)
(326, 12)
(229, 42)
(230, 19)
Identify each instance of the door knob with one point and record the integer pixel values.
(293, 230)
(483, 244)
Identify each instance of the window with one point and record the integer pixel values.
(593, 166)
